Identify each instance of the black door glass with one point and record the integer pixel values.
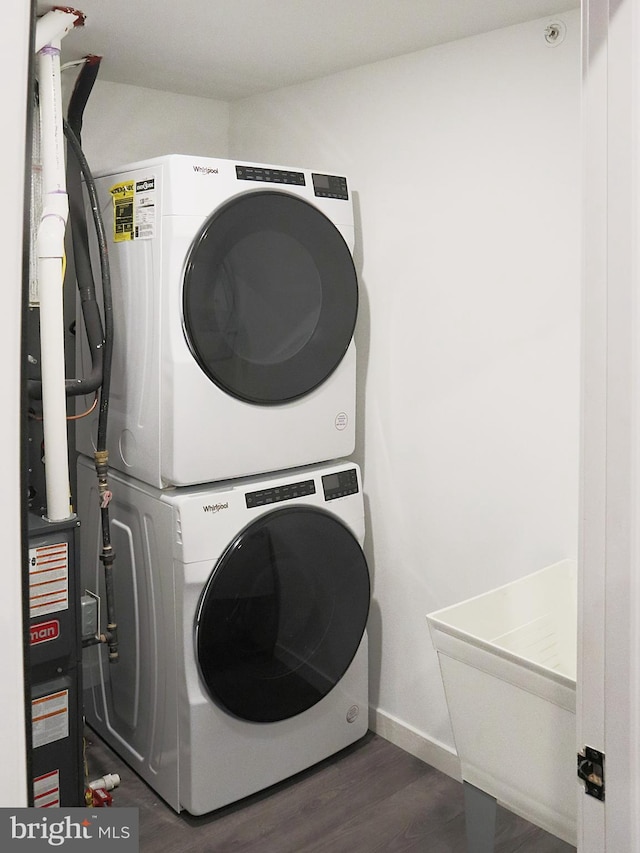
(270, 297)
(282, 614)
(268, 309)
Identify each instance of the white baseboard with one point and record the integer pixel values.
(430, 751)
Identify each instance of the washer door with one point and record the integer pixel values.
(270, 297)
(282, 614)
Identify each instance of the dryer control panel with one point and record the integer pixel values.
(340, 484)
(271, 176)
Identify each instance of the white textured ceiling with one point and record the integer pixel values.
(229, 49)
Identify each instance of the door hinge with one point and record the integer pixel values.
(591, 772)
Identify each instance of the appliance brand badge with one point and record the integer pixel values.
(341, 421)
(44, 631)
(205, 170)
(215, 507)
(147, 184)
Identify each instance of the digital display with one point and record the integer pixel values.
(330, 186)
(331, 481)
(340, 484)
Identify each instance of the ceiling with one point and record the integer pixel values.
(230, 49)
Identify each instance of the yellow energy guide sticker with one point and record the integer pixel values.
(134, 209)
(122, 195)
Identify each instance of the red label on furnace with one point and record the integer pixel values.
(44, 631)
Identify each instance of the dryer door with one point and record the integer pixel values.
(282, 614)
(270, 297)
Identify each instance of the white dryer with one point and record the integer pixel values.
(241, 612)
(234, 303)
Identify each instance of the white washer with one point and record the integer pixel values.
(235, 299)
(241, 611)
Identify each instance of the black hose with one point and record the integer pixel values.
(101, 455)
(72, 129)
(81, 91)
(106, 342)
(77, 168)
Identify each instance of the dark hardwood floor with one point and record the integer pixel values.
(371, 797)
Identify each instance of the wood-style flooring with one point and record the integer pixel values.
(371, 797)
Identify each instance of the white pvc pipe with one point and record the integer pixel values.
(107, 782)
(50, 254)
(55, 25)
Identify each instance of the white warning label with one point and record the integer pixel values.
(48, 579)
(144, 209)
(50, 718)
(46, 790)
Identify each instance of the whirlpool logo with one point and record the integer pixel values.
(215, 507)
(205, 170)
(79, 829)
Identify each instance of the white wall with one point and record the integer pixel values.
(463, 160)
(13, 108)
(123, 124)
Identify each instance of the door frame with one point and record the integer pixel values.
(15, 66)
(608, 682)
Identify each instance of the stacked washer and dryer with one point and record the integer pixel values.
(241, 587)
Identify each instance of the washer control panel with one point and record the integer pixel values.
(340, 484)
(280, 493)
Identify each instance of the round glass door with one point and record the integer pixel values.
(270, 297)
(282, 614)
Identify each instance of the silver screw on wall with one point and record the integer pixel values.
(554, 33)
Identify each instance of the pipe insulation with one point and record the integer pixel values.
(50, 252)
